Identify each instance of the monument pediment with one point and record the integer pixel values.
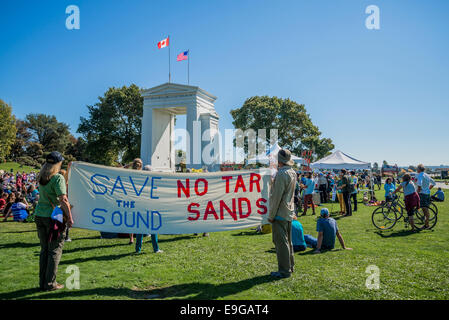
(174, 89)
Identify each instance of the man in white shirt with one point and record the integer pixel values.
(425, 183)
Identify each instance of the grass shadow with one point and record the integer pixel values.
(20, 231)
(202, 291)
(248, 233)
(402, 233)
(111, 257)
(175, 239)
(93, 247)
(65, 293)
(311, 250)
(16, 245)
(206, 291)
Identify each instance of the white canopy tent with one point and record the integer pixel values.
(271, 156)
(340, 160)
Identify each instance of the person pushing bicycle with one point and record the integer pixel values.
(411, 197)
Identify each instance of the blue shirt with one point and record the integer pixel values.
(19, 211)
(389, 188)
(310, 186)
(329, 228)
(298, 234)
(424, 181)
(440, 195)
(409, 188)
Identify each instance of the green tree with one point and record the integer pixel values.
(49, 132)
(113, 127)
(7, 130)
(77, 149)
(23, 136)
(295, 128)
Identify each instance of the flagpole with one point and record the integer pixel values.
(169, 73)
(188, 66)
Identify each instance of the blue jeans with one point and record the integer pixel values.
(139, 240)
(311, 242)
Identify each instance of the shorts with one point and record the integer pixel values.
(424, 200)
(411, 202)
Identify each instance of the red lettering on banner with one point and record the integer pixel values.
(261, 206)
(240, 184)
(227, 178)
(248, 203)
(204, 189)
(210, 210)
(197, 212)
(254, 181)
(184, 189)
(232, 212)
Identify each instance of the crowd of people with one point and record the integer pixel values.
(342, 187)
(18, 195)
(45, 192)
(292, 191)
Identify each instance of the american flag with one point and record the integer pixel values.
(182, 56)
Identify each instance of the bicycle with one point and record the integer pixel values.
(386, 216)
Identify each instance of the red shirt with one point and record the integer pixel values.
(2, 203)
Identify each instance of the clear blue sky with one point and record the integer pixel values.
(379, 94)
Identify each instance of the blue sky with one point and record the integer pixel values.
(379, 94)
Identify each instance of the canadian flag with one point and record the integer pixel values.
(163, 43)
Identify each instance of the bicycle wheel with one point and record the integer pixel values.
(384, 218)
(420, 219)
(434, 207)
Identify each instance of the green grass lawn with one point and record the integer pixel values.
(7, 166)
(235, 264)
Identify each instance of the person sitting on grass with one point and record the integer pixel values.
(389, 188)
(9, 202)
(299, 244)
(438, 196)
(18, 209)
(327, 232)
(3, 199)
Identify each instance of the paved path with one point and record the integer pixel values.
(441, 185)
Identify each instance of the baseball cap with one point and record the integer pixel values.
(324, 212)
(54, 157)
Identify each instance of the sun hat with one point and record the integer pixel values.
(285, 157)
(54, 157)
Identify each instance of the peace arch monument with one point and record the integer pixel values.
(161, 104)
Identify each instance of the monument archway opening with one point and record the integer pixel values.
(161, 104)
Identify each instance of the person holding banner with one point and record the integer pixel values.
(282, 211)
(137, 165)
(52, 190)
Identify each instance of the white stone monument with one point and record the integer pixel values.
(161, 105)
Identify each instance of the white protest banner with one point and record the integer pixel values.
(130, 201)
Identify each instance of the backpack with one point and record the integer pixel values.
(350, 188)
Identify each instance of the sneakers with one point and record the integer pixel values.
(280, 275)
(159, 251)
(57, 286)
(68, 240)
